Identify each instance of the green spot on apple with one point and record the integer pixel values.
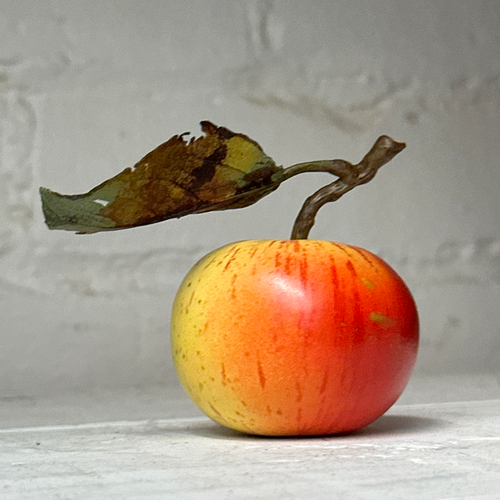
(380, 319)
(369, 284)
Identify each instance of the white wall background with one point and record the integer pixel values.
(88, 87)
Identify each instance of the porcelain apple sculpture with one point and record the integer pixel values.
(269, 337)
(293, 337)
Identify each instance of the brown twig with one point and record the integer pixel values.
(349, 176)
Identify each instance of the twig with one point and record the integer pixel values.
(349, 176)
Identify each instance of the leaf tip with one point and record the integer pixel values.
(73, 213)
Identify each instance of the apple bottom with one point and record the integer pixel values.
(294, 337)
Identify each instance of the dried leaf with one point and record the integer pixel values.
(217, 171)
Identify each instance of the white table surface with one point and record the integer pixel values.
(416, 451)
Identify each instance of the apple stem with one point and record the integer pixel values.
(349, 176)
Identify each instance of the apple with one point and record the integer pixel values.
(293, 337)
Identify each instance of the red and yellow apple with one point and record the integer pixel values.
(294, 337)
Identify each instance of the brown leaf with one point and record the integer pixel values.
(217, 171)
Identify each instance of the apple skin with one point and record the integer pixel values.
(293, 337)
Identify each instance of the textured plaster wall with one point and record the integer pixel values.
(88, 87)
